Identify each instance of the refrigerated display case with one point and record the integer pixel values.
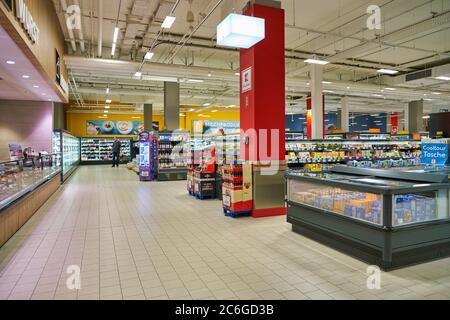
(365, 153)
(17, 180)
(69, 148)
(172, 148)
(388, 217)
(99, 150)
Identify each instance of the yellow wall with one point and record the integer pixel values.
(76, 122)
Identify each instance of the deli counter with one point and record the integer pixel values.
(388, 217)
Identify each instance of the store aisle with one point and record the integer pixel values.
(137, 240)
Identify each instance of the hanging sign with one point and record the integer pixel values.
(435, 153)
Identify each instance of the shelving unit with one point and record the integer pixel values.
(171, 155)
(366, 153)
(99, 150)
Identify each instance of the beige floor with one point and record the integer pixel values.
(137, 240)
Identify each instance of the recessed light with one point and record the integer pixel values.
(149, 55)
(108, 101)
(138, 74)
(436, 93)
(10, 62)
(36, 87)
(107, 107)
(25, 76)
(443, 78)
(214, 110)
(327, 82)
(387, 71)
(390, 89)
(206, 104)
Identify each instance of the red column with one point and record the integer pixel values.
(263, 88)
(394, 123)
(309, 118)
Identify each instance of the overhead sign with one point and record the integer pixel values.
(239, 31)
(435, 153)
(246, 80)
(29, 26)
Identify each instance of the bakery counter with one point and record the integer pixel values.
(22, 192)
(373, 214)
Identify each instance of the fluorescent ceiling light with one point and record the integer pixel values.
(106, 111)
(25, 76)
(239, 31)
(108, 101)
(138, 74)
(195, 80)
(316, 61)
(427, 99)
(390, 89)
(10, 62)
(377, 95)
(237, 74)
(387, 71)
(168, 22)
(182, 115)
(232, 106)
(426, 117)
(328, 91)
(36, 87)
(107, 107)
(107, 90)
(162, 79)
(436, 93)
(44, 94)
(326, 82)
(149, 55)
(191, 110)
(207, 104)
(215, 111)
(348, 88)
(443, 78)
(115, 36)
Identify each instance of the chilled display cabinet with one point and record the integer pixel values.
(68, 147)
(99, 150)
(172, 148)
(388, 217)
(358, 153)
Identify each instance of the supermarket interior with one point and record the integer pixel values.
(265, 150)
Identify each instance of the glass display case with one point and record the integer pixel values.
(172, 160)
(388, 217)
(69, 148)
(295, 135)
(17, 180)
(99, 150)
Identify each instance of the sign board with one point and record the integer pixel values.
(15, 152)
(24, 16)
(58, 67)
(435, 153)
(246, 80)
(212, 127)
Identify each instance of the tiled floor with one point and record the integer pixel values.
(137, 240)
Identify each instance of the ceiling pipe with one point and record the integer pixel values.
(100, 28)
(80, 31)
(70, 31)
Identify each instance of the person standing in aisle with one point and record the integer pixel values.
(116, 152)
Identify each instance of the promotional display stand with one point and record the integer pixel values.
(148, 150)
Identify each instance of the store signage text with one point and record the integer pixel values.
(23, 15)
(435, 153)
(246, 80)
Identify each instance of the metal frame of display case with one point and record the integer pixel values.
(68, 174)
(385, 245)
(105, 162)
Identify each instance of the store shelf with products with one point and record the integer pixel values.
(99, 150)
(69, 148)
(171, 155)
(366, 153)
(388, 217)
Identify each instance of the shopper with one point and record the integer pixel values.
(116, 152)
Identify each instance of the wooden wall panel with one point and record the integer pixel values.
(13, 218)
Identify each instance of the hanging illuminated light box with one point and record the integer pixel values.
(239, 31)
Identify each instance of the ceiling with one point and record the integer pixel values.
(13, 85)
(415, 35)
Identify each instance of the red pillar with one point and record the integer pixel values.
(309, 118)
(263, 98)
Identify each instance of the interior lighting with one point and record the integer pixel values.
(316, 61)
(239, 31)
(387, 71)
(168, 22)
